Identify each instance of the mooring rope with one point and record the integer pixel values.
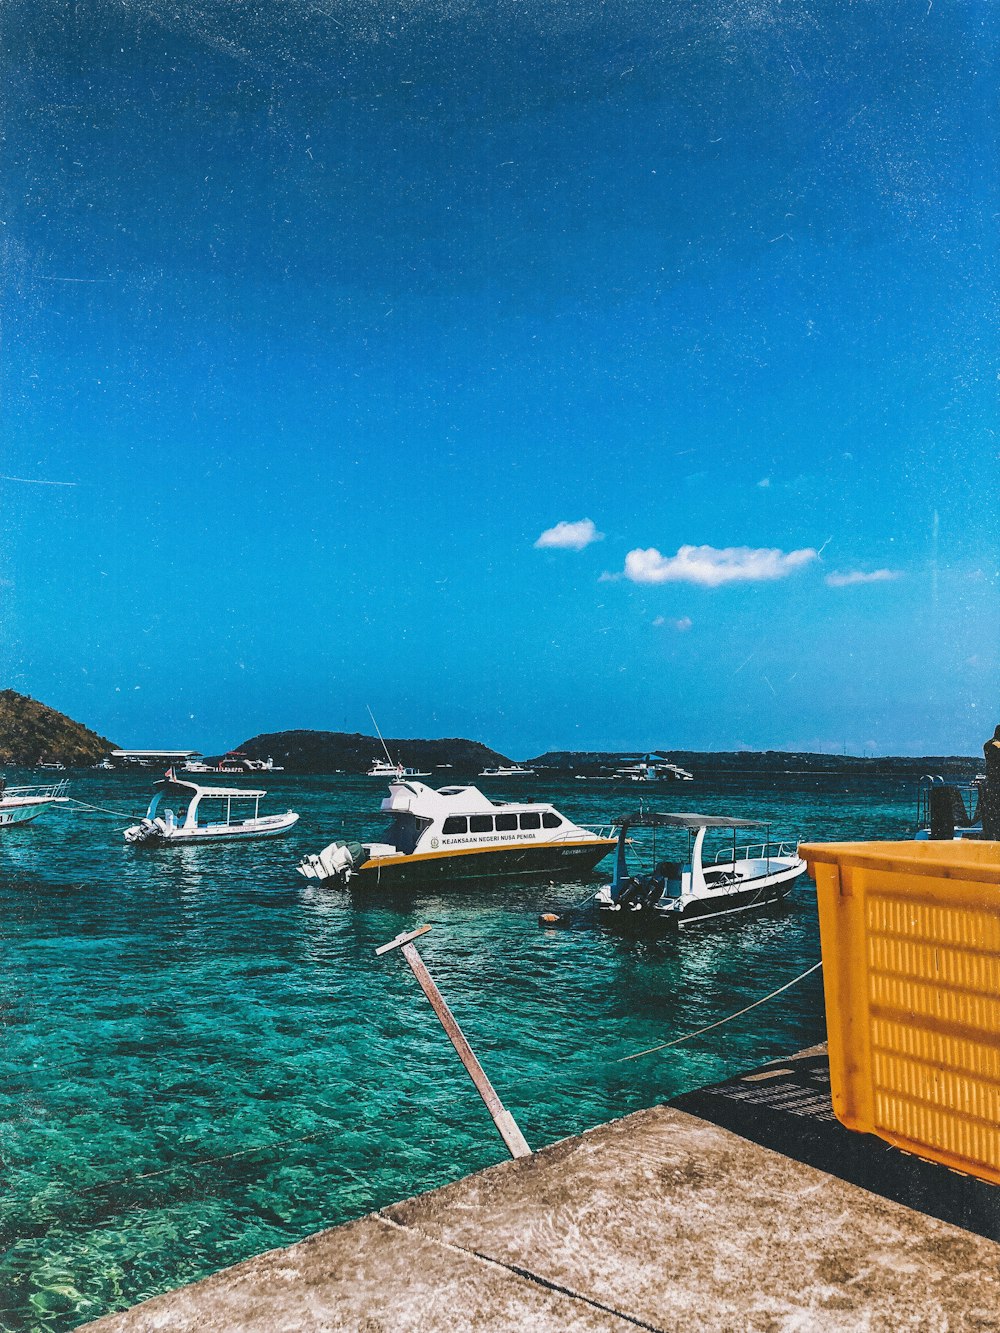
(224, 1157)
(316, 1135)
(118, 814)
(689, 1036)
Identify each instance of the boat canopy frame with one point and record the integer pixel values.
(199, 794)
(695, 825)
(691, 822)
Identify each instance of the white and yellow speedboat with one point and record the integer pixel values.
(458, 833)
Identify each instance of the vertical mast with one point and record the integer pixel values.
(379, 735)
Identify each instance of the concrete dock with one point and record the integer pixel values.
(663, 1220)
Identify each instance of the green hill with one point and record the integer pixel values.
(31, 733)
(330, 751)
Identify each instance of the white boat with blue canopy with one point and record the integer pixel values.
(692, 890)
(184, 821)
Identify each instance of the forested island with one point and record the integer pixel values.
(353, 752)
(32, 733)
(332, 751)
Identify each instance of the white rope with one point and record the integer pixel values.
(224, 1157)
(118, 814)
(690, 1035)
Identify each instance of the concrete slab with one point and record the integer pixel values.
(787, 1103)
(370, 1276)
(660, 1221)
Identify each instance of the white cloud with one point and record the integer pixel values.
(764, 484)
(569, 536)
(683, 624)
(848, 580)
(710, 567)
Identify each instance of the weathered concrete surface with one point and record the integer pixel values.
(659, 1221)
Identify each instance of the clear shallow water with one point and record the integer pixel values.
(204, 1059)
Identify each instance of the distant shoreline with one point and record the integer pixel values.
(32, 733)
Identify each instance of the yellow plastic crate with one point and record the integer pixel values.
(910, 933)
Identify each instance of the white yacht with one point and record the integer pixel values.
(385, 768)
(458, 833)
(688, 892)
(515, 771)
(19, 805)
(187, 823)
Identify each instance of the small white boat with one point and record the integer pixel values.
(187, 823)
(19, 805)
(385, 768)
(234, 763)
(515, 771)
(458, 833)
(653, 768)
(687, 892)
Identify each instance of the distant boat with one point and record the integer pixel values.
(457, 833)
(514, 771)
(19, 805)
(184, 825)
(384, 768)
(234, 762)
(653, 768)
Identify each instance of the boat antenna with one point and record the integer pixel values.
(380, 736)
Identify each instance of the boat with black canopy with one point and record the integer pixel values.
(693, 889)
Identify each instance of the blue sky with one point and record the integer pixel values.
(316, 317)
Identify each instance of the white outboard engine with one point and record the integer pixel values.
(148, 830)
(338, 862)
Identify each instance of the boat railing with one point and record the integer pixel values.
(601, 830)
(968, 789)
(761, 851)
(44, 789)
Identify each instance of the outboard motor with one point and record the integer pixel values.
(146, 831)
(339, 862)
(948, 812)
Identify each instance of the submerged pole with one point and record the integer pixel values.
(516, 1143)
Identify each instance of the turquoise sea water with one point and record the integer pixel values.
(204, 1059)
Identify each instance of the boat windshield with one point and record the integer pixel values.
(405, 831)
